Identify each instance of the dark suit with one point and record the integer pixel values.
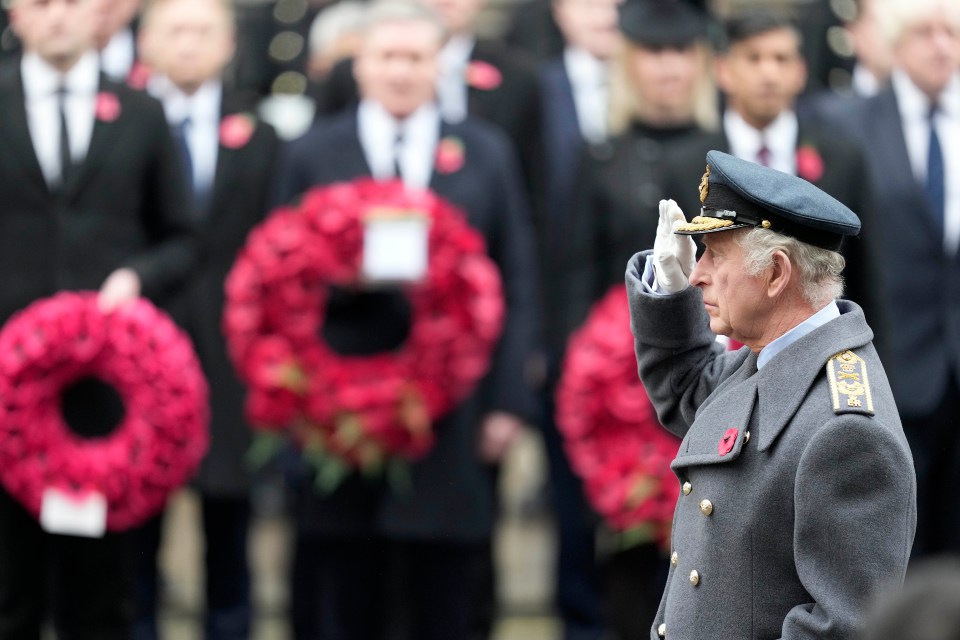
(922, 311)
(578, 588)
(125, 205)
(513, 105)
(451, 504)
(237, 201)
(844, 177)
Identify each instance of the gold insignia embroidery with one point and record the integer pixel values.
(701, 224)
(849, 384)
(704, 185)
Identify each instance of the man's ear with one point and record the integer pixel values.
(780, 274)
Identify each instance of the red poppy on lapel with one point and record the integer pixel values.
(108, 107)
(483, 75)
(236, 130)
(139, 76)
(809, 163)
(450, 155)
(727, 441)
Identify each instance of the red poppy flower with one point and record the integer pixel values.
(450, 155)
(363, 410)
(611, 433)
(727, 441)
(146, 359)
(107, 107)
(809, 163)
(236, 130)
(483, 75)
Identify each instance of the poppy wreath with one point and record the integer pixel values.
(146, 359)
(351, 412)
(611, 434)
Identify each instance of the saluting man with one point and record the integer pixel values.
(798, 500)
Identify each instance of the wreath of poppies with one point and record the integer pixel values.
(611, 433)
(358, 411)
(139, 352)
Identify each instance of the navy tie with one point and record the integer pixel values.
(936, 193)
(397, 156)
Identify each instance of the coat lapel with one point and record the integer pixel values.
(105, 131)
(784, 382)
(14, 115)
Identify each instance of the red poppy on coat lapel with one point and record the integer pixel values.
(450, 155)
(236, 130)
(483, 75)
(809, 163)
(727, 441)
(108, 107)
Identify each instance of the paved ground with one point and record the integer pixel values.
(524, 550)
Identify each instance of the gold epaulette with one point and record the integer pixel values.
(849, 384)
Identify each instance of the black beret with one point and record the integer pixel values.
(662, 23)
(736, 193)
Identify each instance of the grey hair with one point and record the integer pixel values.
(819, 269)
(382, 11)
(894, 17)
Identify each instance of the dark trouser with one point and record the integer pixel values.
(935, 443)
(82, 584)
(578, 596)
(634, 580)
(228, 608)
(370, 589)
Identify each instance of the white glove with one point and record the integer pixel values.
(674, 256)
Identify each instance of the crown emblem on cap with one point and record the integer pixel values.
(704, 185)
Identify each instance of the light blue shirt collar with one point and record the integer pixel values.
(820, 318)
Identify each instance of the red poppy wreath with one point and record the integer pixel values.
(49, 353)
(358, 411)
(611, 433)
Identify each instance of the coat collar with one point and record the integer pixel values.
(784, 382)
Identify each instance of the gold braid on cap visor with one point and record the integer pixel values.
(702, 223)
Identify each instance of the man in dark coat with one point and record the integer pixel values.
(798, 494)
(443, 525)
(910, 134)
(228, 157)
(761, 72)
(99, 202)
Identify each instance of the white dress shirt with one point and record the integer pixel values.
(914, 114)
(588, 77)
(420, 132)
(40, 85)
(452, 84)
(203, 132)
(117, 58)
(780, 137)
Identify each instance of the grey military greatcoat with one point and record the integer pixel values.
(798, 500)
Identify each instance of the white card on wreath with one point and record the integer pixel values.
(72, 514)
(395, 246)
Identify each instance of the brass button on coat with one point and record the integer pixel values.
(687, 488)
(694, 577)
(675, 559)
(746, 437)
(706, 507)
(662, 631)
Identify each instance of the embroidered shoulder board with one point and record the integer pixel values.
(849, 384)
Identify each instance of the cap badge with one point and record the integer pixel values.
(704, 185)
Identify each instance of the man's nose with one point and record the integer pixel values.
(698, 275)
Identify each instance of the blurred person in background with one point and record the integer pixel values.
(117, 24)
(761, 72)
(227, 161)
(93, 197)
(439, 532)
(478, 77)
(927, 608)
(574, 105)
(910, 133)
(661, 92)
(334, 36)
(871, 69)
